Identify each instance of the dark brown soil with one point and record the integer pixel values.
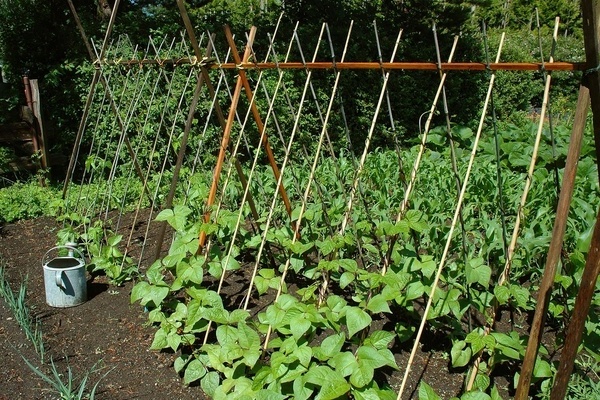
(110, 332)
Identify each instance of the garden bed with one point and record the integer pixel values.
(108, 330)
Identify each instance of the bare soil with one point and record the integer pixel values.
(109, 332)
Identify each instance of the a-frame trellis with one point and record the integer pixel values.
(162, 72)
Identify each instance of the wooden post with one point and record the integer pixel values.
(558, 232)
(257, 118)
(580, 313)
(36, 137)
(37, 113)
(591, 23)
(220, 116)
(591, 35)
(226, 137)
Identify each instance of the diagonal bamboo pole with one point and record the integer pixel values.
(251, 173)
(181, 154)
(98, 76)
(361, 164)
(226, 136)
(503, 278)
(452, 226)
(257, 117)
(311, 178)
(558, 232)
(280, 178)
(417, 163)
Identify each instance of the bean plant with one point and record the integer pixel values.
(320, 331)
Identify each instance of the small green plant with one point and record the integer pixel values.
(105, 255)
(107, 258)
(66, 386)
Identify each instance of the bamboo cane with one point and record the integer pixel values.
(452, 226)
(503, 278)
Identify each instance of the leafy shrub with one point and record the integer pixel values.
(28, 200)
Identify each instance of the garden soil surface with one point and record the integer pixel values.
(110, 333)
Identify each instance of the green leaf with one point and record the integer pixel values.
(304, 354)
(299, 325)
(210, 383)
(327, 246)
(378, 304)
(379, 339)
(356, 320)
(180, 362)
(345, 363)
(542, 369)
(362, 375)
(375, 358)
(247, 337)
(268, 394)
(495, 395)
(521, 295)
(502, 293)
(333, 344)
(478, 272)
(414, 290)
(482, 382)
(416, 220)
(426, 392)
(194, 371)
(262, 284)
(174, 340)
(427, 266)
(301, 390)
(226, 334)
(333, 385)
(160, 340)
(475, 395)
(114, 240)
(147, 293)
(345, 279)
(164, 215)
(461, 355)
(404, 332)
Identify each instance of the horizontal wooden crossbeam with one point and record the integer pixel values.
(423, 66)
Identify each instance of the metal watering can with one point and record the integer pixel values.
(64, 277)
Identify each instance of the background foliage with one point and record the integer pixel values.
(40, 38)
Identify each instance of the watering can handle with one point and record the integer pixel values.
(75, 249)
(58, 279)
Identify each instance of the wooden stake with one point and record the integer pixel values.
(452, 226)
(580, 313)
(257, 118)
(226, 137)
(591, 37)
(591, 23)
(558, 232)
